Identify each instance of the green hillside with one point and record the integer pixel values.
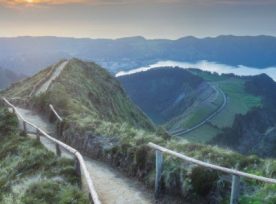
(29, 173)
(172, 97)
(86, 93)
(239, 101)
(102, 123)
(181, 99)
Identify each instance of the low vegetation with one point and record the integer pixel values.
(95, 124)
(29, 173)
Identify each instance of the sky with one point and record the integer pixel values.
(170, 19)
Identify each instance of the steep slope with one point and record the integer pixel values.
(8, 77)
(254, 132)
(115, 141)
(163, 93)
(197, 104)
(80, 88)
(32, 174)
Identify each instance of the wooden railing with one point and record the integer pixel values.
(79, 161)
(235, 190)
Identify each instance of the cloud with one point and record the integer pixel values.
(15, 3)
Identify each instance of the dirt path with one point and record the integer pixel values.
(44, 87)
(112, 186)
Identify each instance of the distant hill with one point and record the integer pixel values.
(174, 98)
(167, 93)
(31, 54)
(255, 131)
(179, 100)
(83, 87)
(8, 77)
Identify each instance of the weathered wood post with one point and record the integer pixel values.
(51, 116)
(235, 191)
(38, 135)
(159, 167)
(58, 152)
(24, 127)
(60, 129)
(78, 170)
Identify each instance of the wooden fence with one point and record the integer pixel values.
(235, 189)
(79, 161)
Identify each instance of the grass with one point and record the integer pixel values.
(202, 135)
(29, 173)
(98, 96)
(196, 114)
(124, 145)
(123, 142)
(239, 102)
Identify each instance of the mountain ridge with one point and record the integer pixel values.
(30, 54)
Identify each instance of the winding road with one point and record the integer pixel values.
(185, 131)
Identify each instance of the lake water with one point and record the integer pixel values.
(207, 66)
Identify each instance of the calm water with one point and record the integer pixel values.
(208, 66)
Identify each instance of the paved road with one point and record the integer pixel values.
(112, 186)
(185, 131)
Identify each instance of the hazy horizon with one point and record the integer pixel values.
(156, 19)
(132, 36)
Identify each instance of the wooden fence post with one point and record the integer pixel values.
(58, 152)
(38, 135)
(235, 191)
(60, 129)
(78, 170)
(159, 167)
(24, 127)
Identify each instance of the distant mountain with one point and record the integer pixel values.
(8, 77)
(30, 54)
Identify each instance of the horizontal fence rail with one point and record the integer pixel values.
(79, 158)
(235, 173)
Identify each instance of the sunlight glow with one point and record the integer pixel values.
(14, 3)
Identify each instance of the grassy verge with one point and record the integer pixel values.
(31, 174)
(125, 147)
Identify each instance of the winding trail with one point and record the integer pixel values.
(185, 131)
(44, 87)
(112, 186)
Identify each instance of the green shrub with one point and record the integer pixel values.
(203, 180)
(49, 192)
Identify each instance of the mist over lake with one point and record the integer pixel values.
(208, 66)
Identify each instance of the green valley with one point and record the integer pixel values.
(103, 123)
